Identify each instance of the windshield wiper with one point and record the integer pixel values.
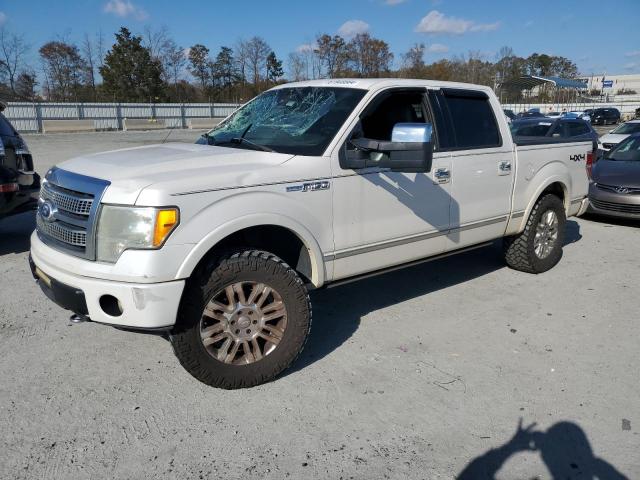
(241, 140)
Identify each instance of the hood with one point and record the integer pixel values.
(183, 165)
(617, 173)
(613, 137)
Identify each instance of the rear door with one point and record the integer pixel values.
(481, 165)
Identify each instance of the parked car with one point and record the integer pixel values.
(19, 184)
(582, 115)
(530, 114)
(615, 189)
(553, 115)
(615, 136)
(509, 114)
(605, 116)
(638, 112)
(568, 128)
(308, 184)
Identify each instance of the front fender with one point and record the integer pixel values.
(231, 214)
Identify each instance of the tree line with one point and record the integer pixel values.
(152, 67)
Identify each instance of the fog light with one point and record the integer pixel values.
(110, 305)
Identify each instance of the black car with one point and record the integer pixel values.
(19, 184)
(530, 114)
(573, 128)
(604, 116)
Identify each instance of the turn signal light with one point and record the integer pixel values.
(166, 221)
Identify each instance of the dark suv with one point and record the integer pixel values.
(603, 116)
(19, 184)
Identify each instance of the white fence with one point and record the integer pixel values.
(30, 117)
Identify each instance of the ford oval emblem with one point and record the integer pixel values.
(47, 211)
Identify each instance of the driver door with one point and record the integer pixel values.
(383, 218)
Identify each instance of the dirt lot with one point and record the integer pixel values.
(421, 373)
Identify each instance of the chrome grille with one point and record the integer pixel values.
(616, 207)
(62, 232)
(72, 202)
(69, 202)
(614, 188)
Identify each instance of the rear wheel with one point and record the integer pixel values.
(539, 247)
(242, 320)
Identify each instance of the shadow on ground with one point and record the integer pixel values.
(564, 448)
(337, 312)
(605, 220)
(15, 233)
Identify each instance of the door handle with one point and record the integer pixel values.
(442, 175)
(504, 167)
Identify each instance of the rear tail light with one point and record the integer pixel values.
(589, 164)
(9, 187)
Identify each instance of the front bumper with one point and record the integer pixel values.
(142, 306)
(613, 204)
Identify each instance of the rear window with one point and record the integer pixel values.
(576, 128)
(531, 129)
(474, 124)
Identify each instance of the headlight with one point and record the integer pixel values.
(124, 228)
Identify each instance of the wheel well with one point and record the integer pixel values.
(556, 189)
(275, 239)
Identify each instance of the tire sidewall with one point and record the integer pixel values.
(257, 268)
(553, 203)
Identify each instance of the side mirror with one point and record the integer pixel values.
(611, 131)
(410, 150)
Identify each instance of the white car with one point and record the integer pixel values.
(615, 136)
(577, 114)
(309, 184)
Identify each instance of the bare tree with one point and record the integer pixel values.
(257, 52)
(90, 55)
(175, 62)
(298, 66)
(13, 49)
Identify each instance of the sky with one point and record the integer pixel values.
(600, 36)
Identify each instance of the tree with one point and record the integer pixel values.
(274, 68)
(174, 63)
(64, 67)
(369, 56)
(13, 49)
(298, 66)
(26, 83)
(257, 52)
(199, 64)
(129, 72)
(413, 59)
(225, 68)
(332, 53)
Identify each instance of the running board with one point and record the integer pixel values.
(362, 276)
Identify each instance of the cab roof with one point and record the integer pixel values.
(378, 83)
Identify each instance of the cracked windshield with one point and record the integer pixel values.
(298, 121)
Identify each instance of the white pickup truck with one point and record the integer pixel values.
(312, 183)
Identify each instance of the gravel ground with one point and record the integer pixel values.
(419, 373)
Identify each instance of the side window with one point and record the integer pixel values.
(474, 124)
(399, 107)
(577, 128)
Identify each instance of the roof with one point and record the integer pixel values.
(528, 82)
(376, 83)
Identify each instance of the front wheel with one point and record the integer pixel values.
(539, 247)
(242, 320)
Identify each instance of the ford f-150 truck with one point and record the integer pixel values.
(308, 184)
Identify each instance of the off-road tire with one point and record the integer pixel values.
(519, 251)
(234, 266)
